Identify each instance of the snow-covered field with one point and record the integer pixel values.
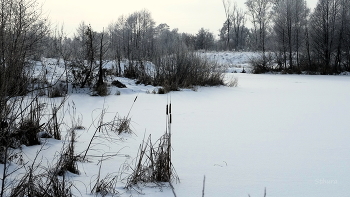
(234, 61)
(289, 134)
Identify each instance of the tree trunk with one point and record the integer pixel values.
(100, 71)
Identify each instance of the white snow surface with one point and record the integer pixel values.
(287, 133)
(233, 61)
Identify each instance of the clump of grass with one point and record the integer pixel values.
(42, 184)
(54, 123)
(123, 125)
(105, 186)
(153, 163)
(68, 160)
(38, 181)
(30, 126)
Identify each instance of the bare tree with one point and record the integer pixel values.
(326, 31)
(22, 32)
(260, 12)
(234, 32)
(204, 39)
(238, 18)
(85, 50)
(343, 42)
(103, 48)
(290, 21)
(89, 56)
(117, 41)
(346, 45)
(227, 7)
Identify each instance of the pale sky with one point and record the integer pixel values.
(186, 15)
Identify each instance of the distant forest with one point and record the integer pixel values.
(290, 37)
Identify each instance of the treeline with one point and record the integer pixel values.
(135, 37)
(152, 54)
(290, 37)
(316, 41)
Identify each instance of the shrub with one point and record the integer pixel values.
(258, 66)
(186, 69)
(262, 64)
(181, 69)
(29, 127)
(28, 133)
(57, 90)
(161, 91)
(118, 84)
(101, 90)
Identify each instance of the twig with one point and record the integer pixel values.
(203, 186)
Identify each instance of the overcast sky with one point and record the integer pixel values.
(186, 15)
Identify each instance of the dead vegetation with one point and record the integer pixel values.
(107, 185)
(153, 163)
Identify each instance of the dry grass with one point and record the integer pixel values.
(153, 164)
(39, 181)
(67, 161)
(105, 186)
(105, 130)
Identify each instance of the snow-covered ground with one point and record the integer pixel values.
(233, 61)
(286, 133)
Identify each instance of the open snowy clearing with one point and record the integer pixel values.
(288, 133)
